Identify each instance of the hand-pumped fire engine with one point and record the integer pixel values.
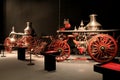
(25, 39)
(90, 39)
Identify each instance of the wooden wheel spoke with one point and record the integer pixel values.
(109, 51)
(96, 43)
(105, 39)
(94, 51)
(97, 55)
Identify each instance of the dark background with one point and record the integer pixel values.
(47, 15)
(77, 10)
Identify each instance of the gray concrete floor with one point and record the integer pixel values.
(13, 69)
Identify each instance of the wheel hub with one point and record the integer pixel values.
(60, 50)
(102, 48)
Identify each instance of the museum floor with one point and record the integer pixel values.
(13, 69)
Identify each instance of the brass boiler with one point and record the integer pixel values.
(27, 30)
(12, 36)
(93, 24)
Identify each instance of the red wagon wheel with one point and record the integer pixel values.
(7, 44)
(62, 47)
(102, 48)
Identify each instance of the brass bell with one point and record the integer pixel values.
(93, 24)
(81, 27)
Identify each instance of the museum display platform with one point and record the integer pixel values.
(109, 70)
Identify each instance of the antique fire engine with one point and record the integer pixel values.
(32, 43)
(90, 39)
(18, 39)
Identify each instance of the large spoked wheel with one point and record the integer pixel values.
(102, 48)
(62, 47)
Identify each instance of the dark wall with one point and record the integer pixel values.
(77, 10)
(2, 19)
(42, 13)
(47, 15)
